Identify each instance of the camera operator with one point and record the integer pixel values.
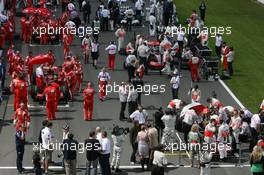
(118, 136)
(159, 125)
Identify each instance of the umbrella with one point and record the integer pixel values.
(229, 108)
(41, 59)
(43, 12)
(197, 107)
(29, 10)
(175, 103)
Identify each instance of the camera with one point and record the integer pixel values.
(117, 131)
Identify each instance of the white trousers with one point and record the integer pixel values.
(116, 156)
(206, 170)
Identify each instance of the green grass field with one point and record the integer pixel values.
(247, 21)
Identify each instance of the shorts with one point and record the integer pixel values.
(94, 55)
(47, 154)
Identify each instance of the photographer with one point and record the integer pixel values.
(159, 125)
(118, 136)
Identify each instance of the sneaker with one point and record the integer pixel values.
(236, 155)
(132, 163)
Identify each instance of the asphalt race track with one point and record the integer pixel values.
(105, 113)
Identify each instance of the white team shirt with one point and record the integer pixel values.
(105, 13)
(85, 42)
(230, 56)
(255, 120)
(175, 82)
(262, 105)
(143, 51)
(39, 72)
(180, 36)
(104, 76)
(169, 121)
(106, 146)
(95, 47)
(138, 5)
(190, 117)
(218, 41)
(130, 58)
(111, 49)
(141, 117)
(159, 159)
(46, 137)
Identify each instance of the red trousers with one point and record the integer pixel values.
(26, 36)
(18, 100)
(88, 110)
(2, 41)
(40, 83)
(72, 88)
(51, 109)
(102, 89)
(29, 3)
(194, 74)
(225, 64)
(111, 61)
(66, 50)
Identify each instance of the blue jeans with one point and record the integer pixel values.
(91, 167)
(20, 154)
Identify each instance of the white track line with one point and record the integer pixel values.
(231, 93)
(39, 45)
(42, 106)
(127, 167)
(182, 142)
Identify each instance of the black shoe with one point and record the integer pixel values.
(113, 168)
(117, 170)
(122, 118)
(21, 171)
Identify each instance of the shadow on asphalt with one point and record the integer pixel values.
(65, 118)
(38, 115)
(101, 119)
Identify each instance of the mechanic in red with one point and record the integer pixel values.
(21, 116)
(28, 30)
(50, 94)
(58, 92)
(66, 44)
(79, 76)
(19, 87)
(194, 66)
(29, 67)
(71, 81)
(40, 80)
(88, 94)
